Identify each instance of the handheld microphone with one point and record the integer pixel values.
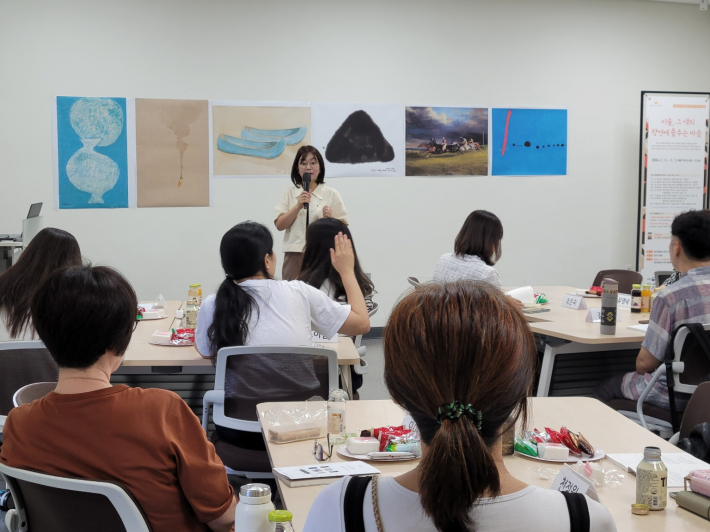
(306, 185)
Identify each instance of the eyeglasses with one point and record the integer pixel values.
(311, 163)
(319, 452)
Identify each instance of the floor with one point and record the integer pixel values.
(373, 387)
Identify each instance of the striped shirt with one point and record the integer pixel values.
(469, 267)
(685, 301)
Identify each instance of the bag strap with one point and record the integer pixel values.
(352, 504)
(578, 511)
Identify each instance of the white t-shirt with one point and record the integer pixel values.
(451, 267)
(295, 236)
(288, 312)
(531, 508)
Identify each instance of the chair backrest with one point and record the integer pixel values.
(625, 278)
(250, 375)
(23, 363)
(358, 339)
(414, 282)
(697, 410)
(57, 504)
(33, 391)
(696, 362)
(661, 276)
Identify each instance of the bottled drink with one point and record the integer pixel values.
(336, 416)
(636, 298)
(195, 293)
(652, 480)
(252, 513)
(610, 300)
(280, 521)
(646, 298)
(189, 320)
(654, 295)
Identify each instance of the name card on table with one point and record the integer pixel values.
(595, 315)
(624, 301)
(574, 301)
(569, 480)
(320, 339)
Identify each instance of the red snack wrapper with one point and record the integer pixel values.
(385, 434)
(183, 337)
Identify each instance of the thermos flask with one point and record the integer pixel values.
(610, 296)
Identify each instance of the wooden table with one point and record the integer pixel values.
(602, 426)
(566, 331)
(142, 357)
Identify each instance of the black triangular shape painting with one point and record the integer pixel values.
(359, 140)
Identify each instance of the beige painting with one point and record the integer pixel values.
(253, 140)
(172, 153)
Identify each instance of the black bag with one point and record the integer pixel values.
(698, 442)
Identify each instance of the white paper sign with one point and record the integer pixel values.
(624, 301)
(574, 301)
(569, 480)
(160, 302)
(319, 338)
(594, 315)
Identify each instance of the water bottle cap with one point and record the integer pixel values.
(280, 516)
(255, 490)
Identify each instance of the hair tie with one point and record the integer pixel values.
(457, 409)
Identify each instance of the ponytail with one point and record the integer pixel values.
(457, 469)
(232, 312)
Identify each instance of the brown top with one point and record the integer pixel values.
(146, 439)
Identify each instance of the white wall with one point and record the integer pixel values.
(591, 57)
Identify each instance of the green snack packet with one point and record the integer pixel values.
(525, 447)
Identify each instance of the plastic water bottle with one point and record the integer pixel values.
(252, 513)
(610, 300)
(336, 416)
(280, 521)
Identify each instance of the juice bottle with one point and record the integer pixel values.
(646, 298)
(636, 298)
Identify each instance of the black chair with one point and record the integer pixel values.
(690, 366)
(248, 375)
(23, 363)
(625, 278)
(45, 503)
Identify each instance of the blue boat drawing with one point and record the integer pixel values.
(266, 149)
(292, 135)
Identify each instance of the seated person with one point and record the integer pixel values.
(48, 251)
(148, 440)
(457, 342)
(317, 270)
(685, 301)
(251, 308)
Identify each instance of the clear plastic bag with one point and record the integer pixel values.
(304, 422)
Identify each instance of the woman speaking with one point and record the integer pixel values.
(322, 202)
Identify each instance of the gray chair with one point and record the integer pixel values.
(45, 503)
(23, 363)
(33, 391)
(690, 367)
(625, 278)
(661, 276)
(248, 375)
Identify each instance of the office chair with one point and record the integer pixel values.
(45, 503)
(248, 375)
(33, 391)
(23, 363)
(625, 278)
(661, 276)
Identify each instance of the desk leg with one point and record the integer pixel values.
(346, 380)
(548, 362)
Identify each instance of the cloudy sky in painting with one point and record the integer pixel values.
(450, 122)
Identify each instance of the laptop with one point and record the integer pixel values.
(35, 208)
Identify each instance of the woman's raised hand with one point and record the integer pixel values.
(342, 256)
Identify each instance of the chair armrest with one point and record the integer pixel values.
(661, 370)
(2, 422)
(210, 398)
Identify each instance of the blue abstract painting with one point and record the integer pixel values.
(92, 153)
(529, 142)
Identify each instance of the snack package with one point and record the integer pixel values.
(699, 481)
(384, 434)
(525, 447)
(404, 444)
(306, 421)
(182, 337)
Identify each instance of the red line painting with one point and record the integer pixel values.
(505, 137)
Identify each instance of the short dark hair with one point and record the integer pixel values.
(301, 154)
(692, 228)
(480, 235)
(82, 312)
